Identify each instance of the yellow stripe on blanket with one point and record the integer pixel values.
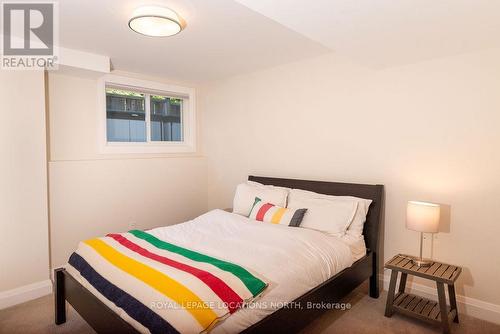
(157, 280)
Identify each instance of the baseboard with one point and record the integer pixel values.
(25, 293)
(466, 305)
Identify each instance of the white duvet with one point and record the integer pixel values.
(293, 260)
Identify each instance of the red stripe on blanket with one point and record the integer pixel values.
(228, 296)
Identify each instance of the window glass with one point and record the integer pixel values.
(125, 116)
(166, 118)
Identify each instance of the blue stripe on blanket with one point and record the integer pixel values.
(134, 308)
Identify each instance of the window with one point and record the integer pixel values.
(147, 117)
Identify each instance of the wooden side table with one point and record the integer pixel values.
(419, 307)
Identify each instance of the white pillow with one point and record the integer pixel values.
(246, 193)
(325, 215)
(332, 217)
(354, 226)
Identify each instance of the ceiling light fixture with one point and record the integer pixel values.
(155, 21)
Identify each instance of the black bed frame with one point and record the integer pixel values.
(289, 319)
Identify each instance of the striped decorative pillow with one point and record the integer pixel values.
(270, 213)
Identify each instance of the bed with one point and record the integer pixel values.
(328, 271)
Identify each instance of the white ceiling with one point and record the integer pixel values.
(229, 37)
(382, 33)
(222, 38)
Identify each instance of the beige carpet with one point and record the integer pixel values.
(365, 316)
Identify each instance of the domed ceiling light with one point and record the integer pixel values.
(155, 21)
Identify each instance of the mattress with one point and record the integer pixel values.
(292, 260)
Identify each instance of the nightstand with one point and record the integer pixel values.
(418, 307)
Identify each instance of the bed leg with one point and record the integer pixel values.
(59, 297)
(374, 279)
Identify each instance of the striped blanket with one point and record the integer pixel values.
(160, 287)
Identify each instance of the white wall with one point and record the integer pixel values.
(92, 194)
(24, 250)
(427, 131)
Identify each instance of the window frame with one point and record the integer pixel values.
(188, 117)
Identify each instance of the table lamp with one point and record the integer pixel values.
(422, 217)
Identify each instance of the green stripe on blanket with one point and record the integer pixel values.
(253, 284)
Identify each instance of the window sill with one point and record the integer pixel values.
(146, 148)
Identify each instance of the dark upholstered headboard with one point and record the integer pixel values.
(371, 229)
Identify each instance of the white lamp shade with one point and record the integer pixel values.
(422, 216)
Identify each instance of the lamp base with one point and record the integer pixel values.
(422, 262)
